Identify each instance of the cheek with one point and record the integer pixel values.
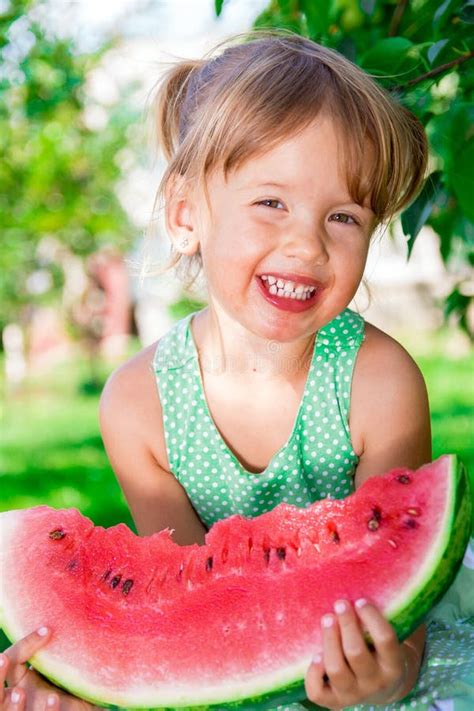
(353, 253)
(236, 242)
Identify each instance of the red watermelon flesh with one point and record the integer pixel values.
(143, 622)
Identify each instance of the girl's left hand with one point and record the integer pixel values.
(356, 674)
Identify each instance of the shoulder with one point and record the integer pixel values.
(130, 409)
(389, 418)
(382, 359)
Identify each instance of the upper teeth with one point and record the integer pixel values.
(280, 287)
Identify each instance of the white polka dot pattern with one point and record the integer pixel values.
(316, 462)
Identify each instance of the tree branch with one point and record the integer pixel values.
(434, 72)
(397, 17)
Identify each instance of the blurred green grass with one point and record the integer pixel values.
(51, 450)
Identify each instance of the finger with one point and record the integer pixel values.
(3, 676)
(52, 703)
(341, 677)
(15, 700)
(22, 650)
(361, 660)
(387, 646)
(317, 686)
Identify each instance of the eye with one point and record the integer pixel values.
(345, 218)
(269, 203)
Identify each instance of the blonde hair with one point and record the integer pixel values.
(217, 112)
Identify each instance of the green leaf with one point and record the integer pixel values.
(435, 50)
(317, 16)
(391, 56)
(286, 6)
(368, 6)
(462, 178)
(416, 215)
(218, 5)
(444, 13)
(457, 304)
(456, 140)
(467, 13)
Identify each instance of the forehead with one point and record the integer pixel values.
(315, 157)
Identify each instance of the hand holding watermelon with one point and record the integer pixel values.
(27, 690)
(348, 672)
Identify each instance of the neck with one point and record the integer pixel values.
(227, 347)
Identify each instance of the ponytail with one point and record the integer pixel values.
(167, 105)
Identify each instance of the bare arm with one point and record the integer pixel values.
(391, 409)
(132, 431)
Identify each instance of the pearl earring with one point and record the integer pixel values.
(184, 243)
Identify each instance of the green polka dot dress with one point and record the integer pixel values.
(317, 461)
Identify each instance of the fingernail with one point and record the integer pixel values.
(340, 607)
(2, 660)
(361, 602)
(51, 700)
(316, 659)
(327, 621)
(15, 697)
(43, 631)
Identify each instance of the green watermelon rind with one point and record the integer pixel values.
(443, 566)
(439, 571)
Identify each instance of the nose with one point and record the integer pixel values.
(307, 245)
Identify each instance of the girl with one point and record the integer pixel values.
(283, 160)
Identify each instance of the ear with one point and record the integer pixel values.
(181, 216)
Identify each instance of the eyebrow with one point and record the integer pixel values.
(271, 184)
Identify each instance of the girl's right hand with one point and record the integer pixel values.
(26, 690)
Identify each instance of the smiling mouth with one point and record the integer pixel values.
(288, 289)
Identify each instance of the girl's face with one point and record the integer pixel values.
(287, 215)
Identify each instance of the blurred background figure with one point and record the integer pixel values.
(14, 348)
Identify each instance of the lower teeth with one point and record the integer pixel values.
(291, 294)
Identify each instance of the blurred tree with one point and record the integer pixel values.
(58, 170)
(420, 51)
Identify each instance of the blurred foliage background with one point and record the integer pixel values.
(59, 177)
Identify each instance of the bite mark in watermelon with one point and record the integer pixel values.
(145, 623)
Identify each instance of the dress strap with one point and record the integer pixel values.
(337, 347)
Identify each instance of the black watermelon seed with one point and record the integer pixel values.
(410, 523)
(106, 575)
(127, 586)
(57, 534)
(115, 581)
(281, 553)
(209, 563)
(377, 513)
(335, 537)
(403, 479)
(266, 555)
(325, 678)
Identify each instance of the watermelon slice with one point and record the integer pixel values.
(143, 622)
